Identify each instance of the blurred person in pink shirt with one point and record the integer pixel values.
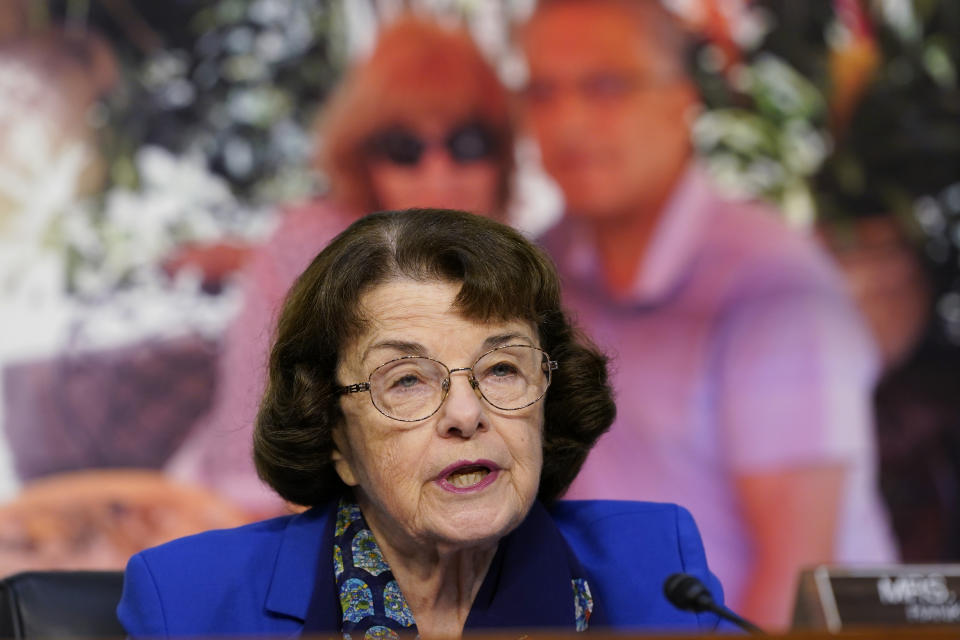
(743, 372)
(422, 122)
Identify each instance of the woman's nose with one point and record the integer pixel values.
(437, 167)
(462, 414)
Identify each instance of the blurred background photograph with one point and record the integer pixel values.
(167, 170)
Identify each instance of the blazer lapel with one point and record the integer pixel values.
(295, 572)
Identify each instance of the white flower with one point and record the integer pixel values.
(804, 147)
(91, 275)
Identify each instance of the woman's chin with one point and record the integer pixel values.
(475, 533)
(481, 520)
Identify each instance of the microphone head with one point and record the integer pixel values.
(688, 593)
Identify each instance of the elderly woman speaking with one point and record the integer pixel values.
(430, 401)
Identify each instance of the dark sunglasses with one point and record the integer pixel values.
(465, 144)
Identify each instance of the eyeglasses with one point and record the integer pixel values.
(465, 144)
(412, 388)
(599, 87)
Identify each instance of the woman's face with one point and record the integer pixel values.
(441, 175)
(463, 477)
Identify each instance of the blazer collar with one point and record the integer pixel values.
(295, 571)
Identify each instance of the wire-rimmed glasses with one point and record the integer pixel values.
(413, 388)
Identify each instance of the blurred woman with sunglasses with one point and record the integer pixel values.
(422, 122)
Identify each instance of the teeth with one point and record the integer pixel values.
(464, 480)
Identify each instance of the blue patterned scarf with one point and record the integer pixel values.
(371, 604)
(534, 581)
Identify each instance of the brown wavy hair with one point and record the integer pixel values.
(503, 276)
(417, 69)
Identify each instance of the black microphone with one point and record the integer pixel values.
(688, 593)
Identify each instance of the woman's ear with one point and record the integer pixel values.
(341, 457)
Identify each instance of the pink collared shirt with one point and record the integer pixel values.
(737, 351)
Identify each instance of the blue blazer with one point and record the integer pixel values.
(258, 579)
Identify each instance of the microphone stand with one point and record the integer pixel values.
(688, 593)
(743, 623)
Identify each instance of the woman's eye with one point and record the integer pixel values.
(405, 382)
(502, 369)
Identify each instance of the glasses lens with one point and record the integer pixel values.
(513, 377)
(470, 143)
(398, 146)
(409, 388)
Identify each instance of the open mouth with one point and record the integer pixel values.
(468, 476)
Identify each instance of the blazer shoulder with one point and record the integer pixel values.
(209, 583)
(659, 530)
(628, 549)
(218, 551)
